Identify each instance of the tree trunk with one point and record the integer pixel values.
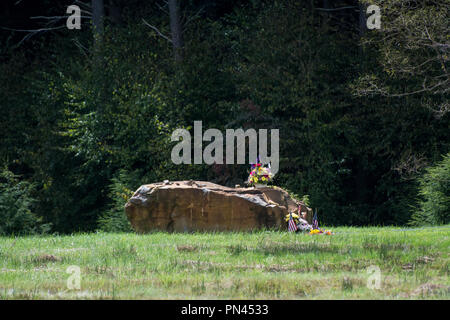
(98, 14)
(362, 19)
(175, 29)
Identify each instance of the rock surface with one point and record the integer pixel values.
(184, 206)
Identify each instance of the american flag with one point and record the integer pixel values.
(292, 226)
(315, 222)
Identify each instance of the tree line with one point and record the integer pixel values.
(87, 114)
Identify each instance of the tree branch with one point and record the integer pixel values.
(157, 31)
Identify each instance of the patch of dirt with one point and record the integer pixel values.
(408, 267)
(431, 289)
(106, 270)
(186, 248)
(43, 258)
(425, 259)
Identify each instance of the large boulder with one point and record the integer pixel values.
(184, 206)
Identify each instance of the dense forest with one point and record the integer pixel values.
(87, 114)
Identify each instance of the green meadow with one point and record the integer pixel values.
(412, 264)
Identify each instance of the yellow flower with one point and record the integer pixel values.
(294, 216)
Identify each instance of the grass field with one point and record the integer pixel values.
(413, 264)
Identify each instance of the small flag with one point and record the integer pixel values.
(315, 222)
(292, 226)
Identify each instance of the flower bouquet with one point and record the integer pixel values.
(259, 176)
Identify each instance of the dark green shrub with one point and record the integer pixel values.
(434, 190)
(121, 189)
(16, 217)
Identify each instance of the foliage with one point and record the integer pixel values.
(305, 199)
(16, 202)
(434, 189)
(413, 48)
(356, 128)
(121, 190)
